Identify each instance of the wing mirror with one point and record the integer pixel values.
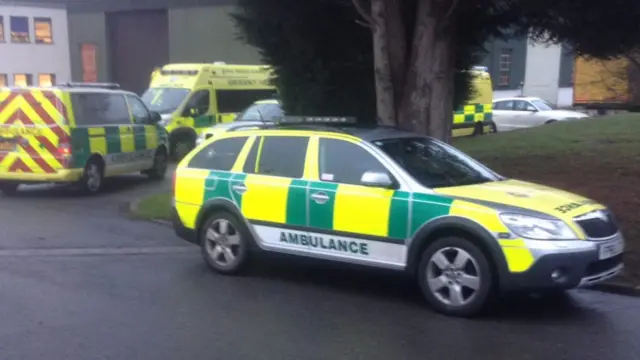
(155, 118)
(377, 179)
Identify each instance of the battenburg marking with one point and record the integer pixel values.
(347, 246)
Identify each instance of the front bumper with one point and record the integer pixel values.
(565, 265)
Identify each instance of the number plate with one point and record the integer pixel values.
(611, 249)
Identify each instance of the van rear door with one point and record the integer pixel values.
(34, 133)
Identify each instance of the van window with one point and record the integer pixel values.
(235, 101)
(99, 109)
(280, 156)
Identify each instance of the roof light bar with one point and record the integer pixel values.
(315, 120)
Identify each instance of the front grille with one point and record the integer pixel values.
(597, 227)
(598, 267)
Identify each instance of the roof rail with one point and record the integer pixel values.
(313, 127)
(98, 85)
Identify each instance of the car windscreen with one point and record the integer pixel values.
(164, 100)
(435, 164)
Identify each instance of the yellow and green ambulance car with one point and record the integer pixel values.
(77, 133)
(381, 197)
(193, 97)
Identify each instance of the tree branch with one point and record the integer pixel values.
(452, 8)
(361, 8)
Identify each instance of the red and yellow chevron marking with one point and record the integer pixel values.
(37, 121)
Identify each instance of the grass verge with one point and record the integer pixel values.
(154, 207)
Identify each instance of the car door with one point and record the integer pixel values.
(525, 114)
(503, 115)
(145, 134)
(274, 191)
(198, 110)
(348, 220)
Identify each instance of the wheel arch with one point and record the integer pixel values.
(456, 226)
(221, 204)
(97, 157)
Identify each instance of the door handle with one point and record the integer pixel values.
(239, 188)
(320, 197)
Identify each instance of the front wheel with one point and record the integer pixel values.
(182, 146)
(224, 242)
(455, 277)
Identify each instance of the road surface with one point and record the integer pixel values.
(80, 281)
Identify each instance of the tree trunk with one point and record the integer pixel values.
(427, 102)
(382, 68)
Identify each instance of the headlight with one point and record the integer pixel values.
(536, 228)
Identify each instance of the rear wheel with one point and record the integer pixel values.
(93, 177)
(455, 277)
(159, 169)
(9, 189)
(478, 129)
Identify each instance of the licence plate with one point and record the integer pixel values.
(611, 248)
(7, 146)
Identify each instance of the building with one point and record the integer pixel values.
(34, 45)
(521, 66)
(124, 40)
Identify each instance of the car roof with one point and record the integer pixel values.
(525, 98)
(365, 133)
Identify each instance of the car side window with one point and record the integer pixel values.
(504, 105)
(138, 110)
(219, 155)
(94, 109)
(344, 162)
(199, 101)
(278, 156)
(522, 105)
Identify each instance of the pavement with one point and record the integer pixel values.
(81, 281)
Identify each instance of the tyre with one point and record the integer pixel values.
(9, 189)
(455, 277)
(478, 129)
(224, 241)
(182, 146)
(93, 177)
(550, 122)
(159, 169)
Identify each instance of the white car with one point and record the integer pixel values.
(524, 112)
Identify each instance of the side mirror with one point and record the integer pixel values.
(376, 179)
(532, 109)
(193, 112)
(155, 118)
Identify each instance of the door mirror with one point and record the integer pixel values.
(532, 109)
(193, 112)
(377, 179)
(155, 118)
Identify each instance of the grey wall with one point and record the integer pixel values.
(88, 28)
(207, 34)
(518, 45)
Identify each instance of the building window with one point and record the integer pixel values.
(46, 80)
(19, 29)
(505, 67)
(43, 30)
(3, 80)
(2, 30)
(22, 80)
(89, 66)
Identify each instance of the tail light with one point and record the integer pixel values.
(64, 151)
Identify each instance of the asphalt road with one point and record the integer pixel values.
(80, 281)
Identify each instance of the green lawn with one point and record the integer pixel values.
(157, 206)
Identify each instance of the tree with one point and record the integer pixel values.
(418, 46)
